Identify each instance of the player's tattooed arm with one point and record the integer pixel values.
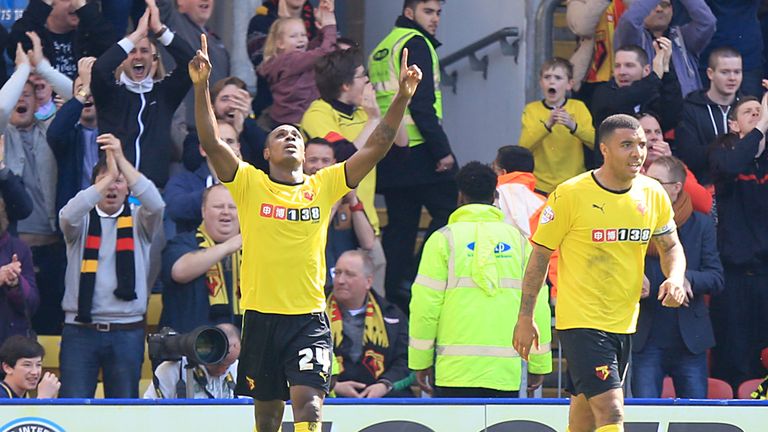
(526, 334)
(671, 292)
(535, 272)
(378, 144)
(671, 255)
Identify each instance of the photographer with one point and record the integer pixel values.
(212, 381)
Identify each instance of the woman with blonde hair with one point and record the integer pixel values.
(289, 60)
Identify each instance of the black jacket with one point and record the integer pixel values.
(704, 271)
(741, 186)
(701, 122)
(18, 203)
(419, 166)
(93, 36)
(126, 114)
(395, 357)
(661, 96)
(65, 138)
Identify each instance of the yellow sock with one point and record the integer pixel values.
(610, 428)
(306, 427)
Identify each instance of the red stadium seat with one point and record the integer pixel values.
(667, 389)
(719, 389)
(747, 387)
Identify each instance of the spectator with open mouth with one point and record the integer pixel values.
(27, 155)
(557, 128)
(72, 137)
(69, 29)
(135, 99)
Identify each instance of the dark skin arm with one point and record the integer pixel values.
(221, 155)
(380, 141)
(526, 333)
(672, 258)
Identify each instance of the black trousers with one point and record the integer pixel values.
(50, 263)
(473, 392)
(399, 236)
(739, 316)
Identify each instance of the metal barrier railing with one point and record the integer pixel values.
(508, 48)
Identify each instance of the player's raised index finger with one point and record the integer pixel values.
(404, 65)
(204, 44)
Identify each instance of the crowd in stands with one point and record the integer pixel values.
(106, 193)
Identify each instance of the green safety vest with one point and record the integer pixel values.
(465, 302)
(384, 73)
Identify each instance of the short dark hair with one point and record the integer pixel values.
(18, 347)
(477, 182)
(219, 85)
(336, 69)
(642, 114)
(514, 158)
(557, 62)
(674, 167)
(319, 141)
(642, 56)
(616, 121)
(343, 40)
(734, 112)
(718, 53)
(411, 4)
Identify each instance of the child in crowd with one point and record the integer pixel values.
(557, 128)
(289, 61)
(22, 371)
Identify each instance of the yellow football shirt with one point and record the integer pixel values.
(284, 229)
(322, 120)
(602, 237)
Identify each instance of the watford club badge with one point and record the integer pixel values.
(602, 372)
(309, 195)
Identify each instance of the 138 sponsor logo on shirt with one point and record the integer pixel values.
(306, 214)
(611, 235)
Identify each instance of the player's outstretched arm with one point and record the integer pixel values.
(380, 141)
(219, 153)
(672, 259)
(526, 333)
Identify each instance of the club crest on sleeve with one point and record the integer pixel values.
(547, 215)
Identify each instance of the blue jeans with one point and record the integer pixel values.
(652, 364)
(84, 351)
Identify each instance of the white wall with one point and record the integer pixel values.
(483, 114)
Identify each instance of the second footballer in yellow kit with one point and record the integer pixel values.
(601, 222)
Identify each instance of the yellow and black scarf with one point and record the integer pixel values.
(375, 338)
(124, 262)
(219, 295)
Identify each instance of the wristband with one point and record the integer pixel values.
(162, 31)
(357, 207)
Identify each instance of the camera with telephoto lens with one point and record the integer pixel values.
(203, 345)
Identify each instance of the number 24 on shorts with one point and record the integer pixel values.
(322, 356)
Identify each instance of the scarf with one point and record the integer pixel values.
(375, 337)
(219, 294)
(683, 208)
(124, 262)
